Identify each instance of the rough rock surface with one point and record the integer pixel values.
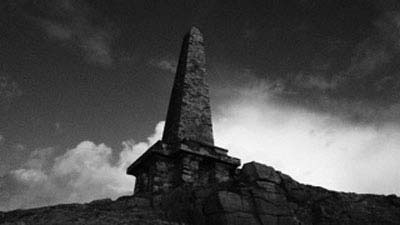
(259, 195)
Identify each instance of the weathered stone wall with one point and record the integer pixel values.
(200, 172)
(159, 176)
(142, 182)
(223, 172)
(162, 173)
(260, 196)
(190, 169)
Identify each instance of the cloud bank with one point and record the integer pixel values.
(313, 147)
(81, 174)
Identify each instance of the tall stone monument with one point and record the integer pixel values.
(185, 179)
(186, 155)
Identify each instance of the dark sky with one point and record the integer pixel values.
(76, 70)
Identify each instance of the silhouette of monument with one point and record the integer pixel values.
(186, 155)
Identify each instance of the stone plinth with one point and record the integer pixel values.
(189, 163)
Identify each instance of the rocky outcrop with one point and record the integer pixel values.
(258, 195)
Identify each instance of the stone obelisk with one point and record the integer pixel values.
(186, 155)
(189, 113)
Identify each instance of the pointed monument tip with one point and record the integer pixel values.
(194, 29)
(195, 34)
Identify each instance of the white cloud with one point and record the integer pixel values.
(132, 150)
(77, 27)
(314, 148)
(81, 174)
(167, 65)
(90, 173)
(39, 158)
(29, 176)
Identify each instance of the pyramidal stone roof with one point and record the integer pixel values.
(189, 113)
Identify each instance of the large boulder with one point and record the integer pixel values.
(254, 171)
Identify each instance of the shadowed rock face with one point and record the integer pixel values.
(259, 195)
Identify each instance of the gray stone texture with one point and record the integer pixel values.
(189, 113)
(164, 167)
